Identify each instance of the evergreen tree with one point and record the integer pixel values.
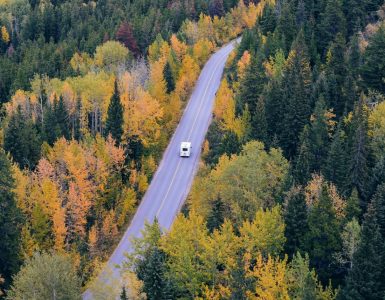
(22, 140)
(51, 127)
(76, 127)
(323, 240)
(297, 88)
(286, 25)
(114, 122)
(319, 136)
(295, 220)
(373, 71)
(252, 85)
(152, 271)
(336, 67)
(216, 8)
(216, 216)
(359, 151)
(377, 175)
(10, 222)
(302, 169)
(170, 81)
(62, 119)
(336, 163)
(333, 22)
(268, 20)
(365, 281)
(123, 295)
(259, 123)
(353, 209)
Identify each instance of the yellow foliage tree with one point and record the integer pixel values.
(4, 34)
(271, 279)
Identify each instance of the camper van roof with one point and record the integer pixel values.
(186, 144)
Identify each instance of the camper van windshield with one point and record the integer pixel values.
(184, 149)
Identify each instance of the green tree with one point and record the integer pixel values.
(353, 209)
(295, 220)
(323, 239)
(62, 119)
(333, 22)
(302, 166)
(365, 280)
(46, 276)
(358, 164)
(297, 88)
(373, 70)
(10, 222)
(336, 162)
(114, 122)
(170, 81)
(252, 85)
(22, 140)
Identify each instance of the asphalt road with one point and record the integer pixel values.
(172, 181)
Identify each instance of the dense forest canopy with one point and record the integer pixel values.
(289, 201)
(80, 144)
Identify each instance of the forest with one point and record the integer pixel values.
(289, 200)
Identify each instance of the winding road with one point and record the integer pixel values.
(172, 181)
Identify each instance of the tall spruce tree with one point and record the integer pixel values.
(336, 163)
(359, 152)
(297, 89)
(252, 85)
(170, 81)
(319, 135)
(303, 163)
(323, 239)
(10, 222)
(295, 221)
(365, 281)
(114, 122)
(62, 119)
(373, 70)
(22, 140)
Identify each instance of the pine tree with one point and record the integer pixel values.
(295, 220)
(322, 239)
(170, 81)
(373, 72)
(51, 127)
(333, 22)
(10, 222)
(336, 163)
(216, 8)
(114, 122)
(252, 85)
(259, 123)
(62, 119)
(336, 67)
(297, 88)
(76, 127)
(319, 135)
(359, 152)
(286, 25)
(366, 277)
(153, 273)
(353, 209)
(22, 140)
(123, 295)
(216, 216)
(303, 164)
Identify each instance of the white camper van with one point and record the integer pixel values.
(185, 149)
